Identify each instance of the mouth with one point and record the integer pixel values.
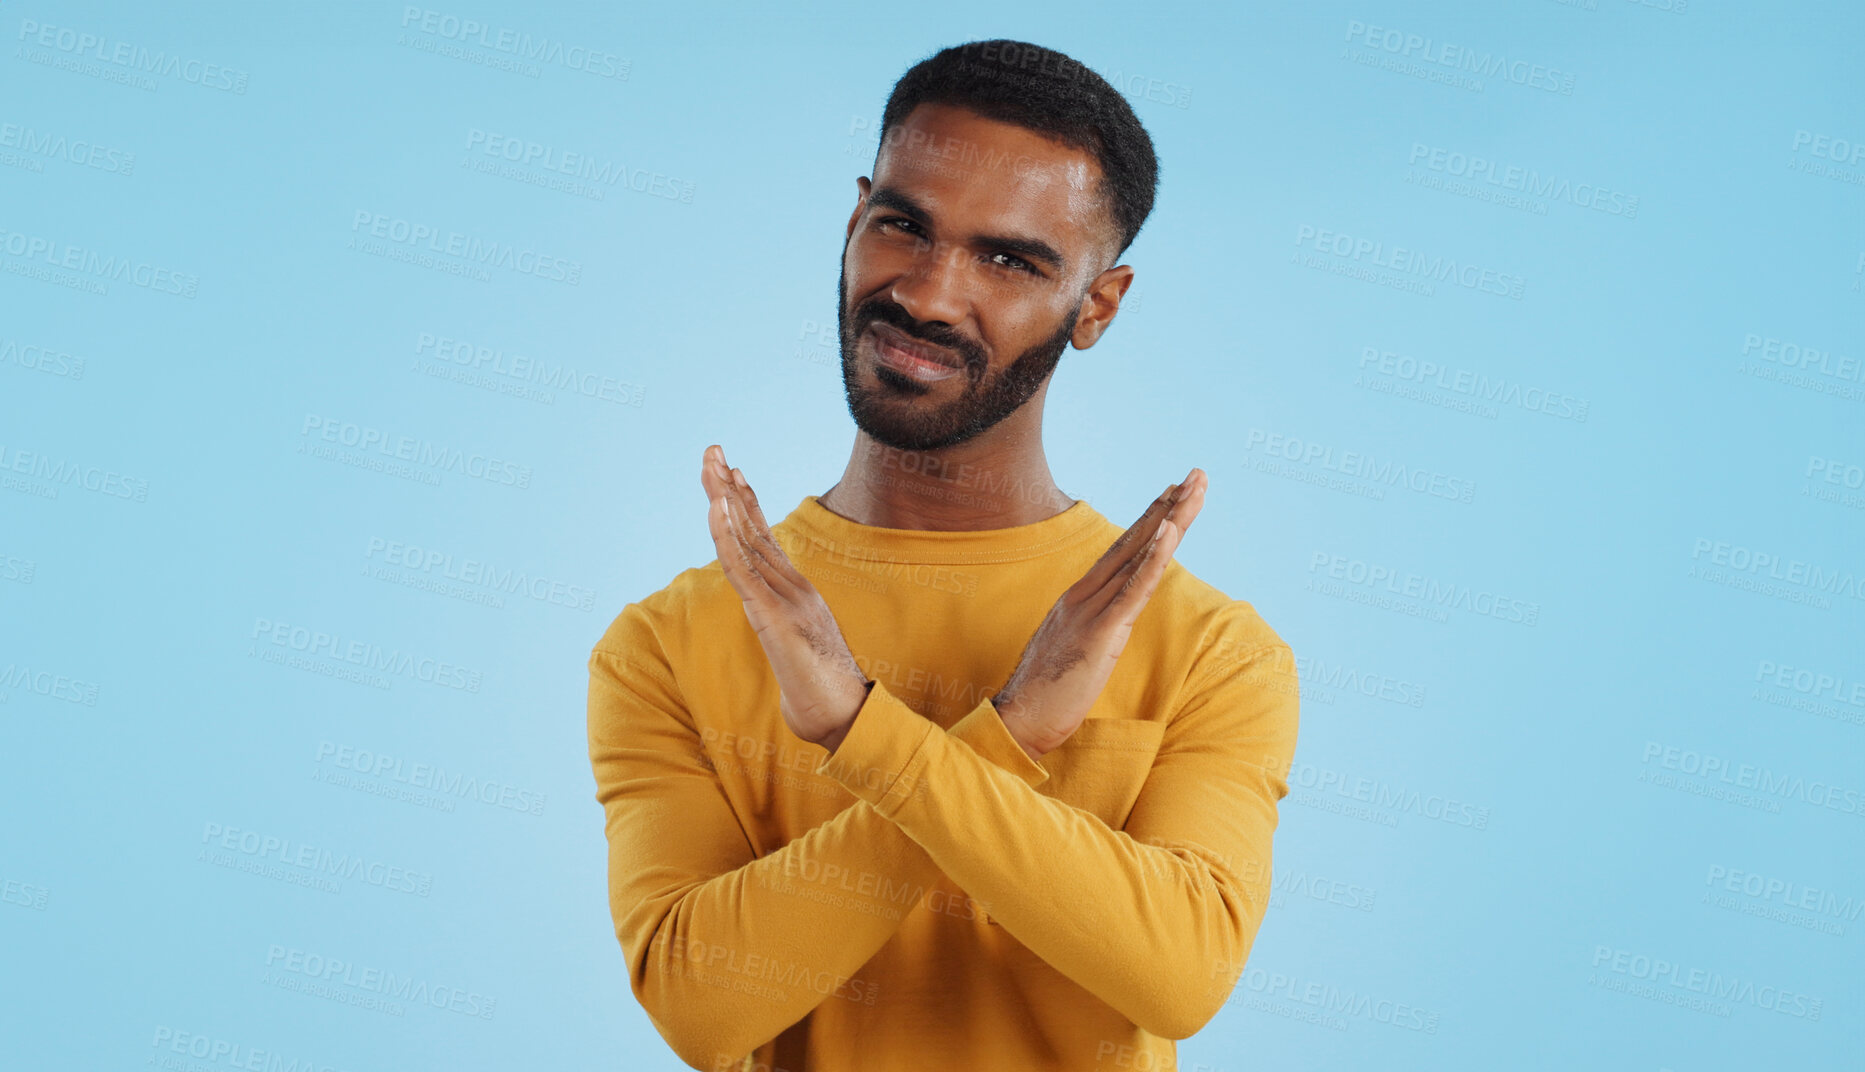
(910, 357)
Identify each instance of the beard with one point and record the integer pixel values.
(894, 415)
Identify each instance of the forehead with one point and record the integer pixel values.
(980, 174)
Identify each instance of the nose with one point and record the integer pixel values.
(932, 289)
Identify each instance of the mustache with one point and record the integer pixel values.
(967, 351)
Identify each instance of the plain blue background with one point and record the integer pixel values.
(165, 509)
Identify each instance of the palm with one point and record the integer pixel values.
(1072, 654)
(820, 687)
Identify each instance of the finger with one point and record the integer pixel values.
(1132, 543)
(761, 531)
(755, 555)
(723, 481)
(751, 500)
(1131, 595)
(715, 478)
(1128, 544)
(753, 574)
(1186, 510)
(1172, 527)
(721, 478)
(739, 570)
(763, 547)
(711, 472)
(1098, 602)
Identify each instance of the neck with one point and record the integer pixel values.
(997, 480)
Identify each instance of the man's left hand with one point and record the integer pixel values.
(820, 687)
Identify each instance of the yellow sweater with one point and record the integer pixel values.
(928, 897)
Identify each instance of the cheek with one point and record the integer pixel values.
(867, 268)
(1021, 322)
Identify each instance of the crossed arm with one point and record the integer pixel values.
(1155, 919)
(694, 905)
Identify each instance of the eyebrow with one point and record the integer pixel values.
(1030, 249)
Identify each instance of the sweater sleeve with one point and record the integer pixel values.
(1156, 919)
(726, 949)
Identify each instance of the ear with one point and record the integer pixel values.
(862, 184)
(1099, 305)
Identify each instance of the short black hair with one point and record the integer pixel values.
(1050, 93)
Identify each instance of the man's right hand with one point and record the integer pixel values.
(1072, 654)
(820, 687)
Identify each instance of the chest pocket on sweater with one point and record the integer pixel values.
(1102, 766)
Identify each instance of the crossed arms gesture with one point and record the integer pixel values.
(1154, 919)
(1064, 667)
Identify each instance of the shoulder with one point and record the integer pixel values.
(1222, 632)
(666, 619)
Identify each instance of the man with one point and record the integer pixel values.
(945, 770)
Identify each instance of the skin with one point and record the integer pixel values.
(938, 280)
(927, 267)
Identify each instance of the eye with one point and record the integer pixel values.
(1016, 263)
(898, 221)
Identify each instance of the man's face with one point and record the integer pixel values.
(974, 245)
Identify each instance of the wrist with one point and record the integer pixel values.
(833, 739)
(1016, 721)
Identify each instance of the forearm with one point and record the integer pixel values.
(724, 956)
(1139, 925)
(725, 964)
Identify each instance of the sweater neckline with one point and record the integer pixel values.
(877, 543)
